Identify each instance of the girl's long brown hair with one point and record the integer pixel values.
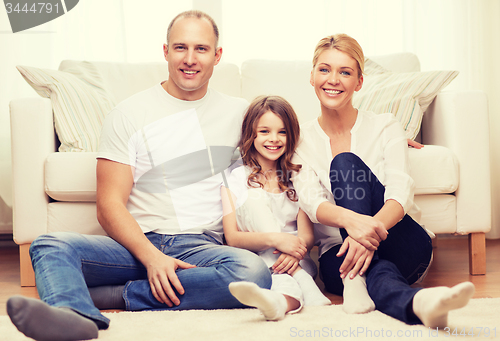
(281, 108)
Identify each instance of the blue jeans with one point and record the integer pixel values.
(399, 261)
(66, 264)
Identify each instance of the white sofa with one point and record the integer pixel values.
(54, 191)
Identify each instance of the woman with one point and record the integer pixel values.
(355, 180)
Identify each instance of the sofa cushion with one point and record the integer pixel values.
(372, 68)
(406, 95)
(78, 217)
(71, 176)
(288, 79)
(434, 169)
(398, 62)
(439, 212)
(123, 80)
(79, 100)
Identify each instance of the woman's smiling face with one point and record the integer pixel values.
(335, 79)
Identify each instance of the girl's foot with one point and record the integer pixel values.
(271, 304)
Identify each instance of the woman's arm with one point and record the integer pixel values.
(366, 230)
(256, 241)
(390, 214)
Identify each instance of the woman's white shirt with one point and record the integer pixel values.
(379, 141)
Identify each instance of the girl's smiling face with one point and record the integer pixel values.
(270, 142)
(335, 79)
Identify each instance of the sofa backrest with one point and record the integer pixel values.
(289, 79)
(398, 62)
(122, 80)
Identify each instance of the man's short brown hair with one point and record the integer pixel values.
(195, 14)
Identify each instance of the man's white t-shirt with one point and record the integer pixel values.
(178, 150)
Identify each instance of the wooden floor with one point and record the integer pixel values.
(450, 267)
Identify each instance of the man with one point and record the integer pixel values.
(160, 162)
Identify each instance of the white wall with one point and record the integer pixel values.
(445, 34)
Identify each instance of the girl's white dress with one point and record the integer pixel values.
(260, 211)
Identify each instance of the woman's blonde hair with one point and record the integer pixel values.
(343, 43)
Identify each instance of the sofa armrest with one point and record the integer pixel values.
(458, 120)
(33, 138)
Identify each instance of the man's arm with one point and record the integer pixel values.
(114, 183)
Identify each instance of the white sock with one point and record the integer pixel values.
(272, 304)
(432, 305)
(312, 295)
(356, 298)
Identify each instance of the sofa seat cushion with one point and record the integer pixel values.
(71, 176)
(78, 217)
(439, 212)
(434, 169)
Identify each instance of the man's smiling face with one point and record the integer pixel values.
(191, 55)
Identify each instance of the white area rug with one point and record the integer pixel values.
(479, 320)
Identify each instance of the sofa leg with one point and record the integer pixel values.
(27, 273)
(477, 253)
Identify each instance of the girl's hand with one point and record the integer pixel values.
(358, 258)
(285, 263)
(290, 244)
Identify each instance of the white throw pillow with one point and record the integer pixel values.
(406, 95)
(79, 100)
(372, 68)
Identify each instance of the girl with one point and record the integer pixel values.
(366, 215)
(261, 211)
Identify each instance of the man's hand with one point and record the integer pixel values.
(365, 229)
(285, 263)
(358, 258)
(162, 276)
(290, 244)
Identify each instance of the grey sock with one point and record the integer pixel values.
(108, 297)
(42, 322)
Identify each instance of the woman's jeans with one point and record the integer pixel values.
(66, 264)
(400, 260)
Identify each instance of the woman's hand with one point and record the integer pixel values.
(366, 230)
(414, 144)
(358, 258)
(285, 263)
(290, 244)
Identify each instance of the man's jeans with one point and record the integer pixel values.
(66, 264)
(400, 260)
